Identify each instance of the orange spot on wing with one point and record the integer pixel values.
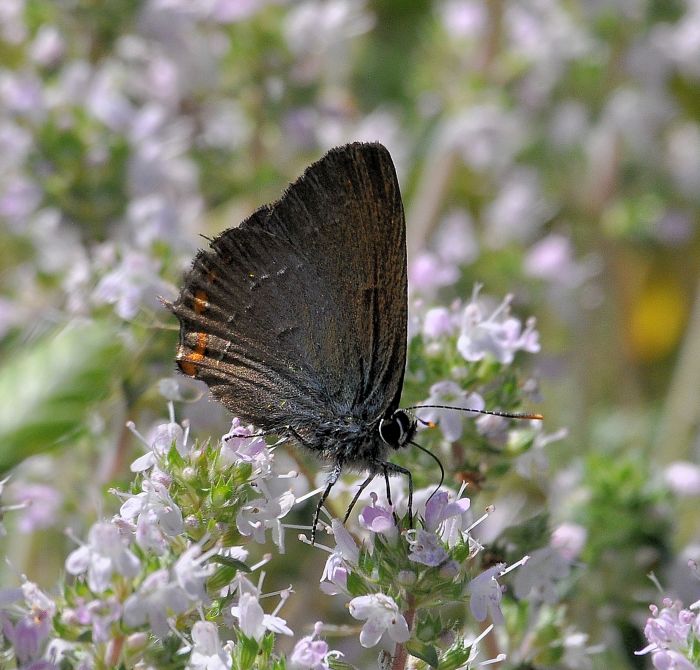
(201, 301)
(188, 361)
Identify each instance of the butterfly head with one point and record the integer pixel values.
(398, 429)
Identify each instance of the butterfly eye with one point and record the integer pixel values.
(396, 430)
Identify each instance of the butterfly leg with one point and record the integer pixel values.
(332, 479)
(392, 468)
(388, 492)
(363, 486)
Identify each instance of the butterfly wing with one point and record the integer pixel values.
(299, 314)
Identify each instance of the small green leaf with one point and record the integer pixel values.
(355, 585)
(221, 578)
(231, 562)
(248, 651)
(426, 652)
(338, 664)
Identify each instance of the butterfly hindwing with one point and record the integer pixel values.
(299, 314)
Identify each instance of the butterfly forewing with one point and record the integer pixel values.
(299, 314)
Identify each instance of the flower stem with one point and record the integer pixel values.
(400, 653)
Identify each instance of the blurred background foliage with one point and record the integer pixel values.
(545, 148)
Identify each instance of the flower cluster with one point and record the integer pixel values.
(395, 579)
(673, 633)
(165, 578)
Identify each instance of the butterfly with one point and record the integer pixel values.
(297, 318)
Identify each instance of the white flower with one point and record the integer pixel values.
(160, 442)
(157, 515)
(254, 622)
(450, 420)
(310, 653)
(156, 600)
(500, 335)
(260, 514)
(238, 446)
(382, 615)
(450, 517)
(683, 478)
(191, 572)
(207, 652)
(538, 577)
(485, 595)
(105, 553)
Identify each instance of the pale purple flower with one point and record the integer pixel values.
(438, 322)
(378, 519)
(671, 631)
(207, 651)
(239, 445)
(231, 11)
(314, 27)
(485, 595)
(159, 442)
(449, 518)
(105, 98)
(569, 539)
(19, 197)
(256, 516)
(550, 258)
(310, 653)
(100, 614)
(191, 572)
(498, 335)
(518, 210)
(12, 26)
(345, 544)
(29, 634)
(39, 505)
(105, 553)
(103, 613)
(346, 553)
(156, 515)
(487, 136)
(427, 273)
(22, 94)
(152, 218)
(534, 462)
(156, 599)
(449, 420)
(463, 18)
(455, 239)
(537, 579)
(133, 283)
(426, 548)
(334, 579)
(254, 622)
(683, 478)
(381, 615)
(48, 46)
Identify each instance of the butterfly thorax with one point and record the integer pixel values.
(356, 443)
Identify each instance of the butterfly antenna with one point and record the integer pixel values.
(437, 460)
(507, 415)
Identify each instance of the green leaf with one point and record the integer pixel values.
(47, 389)
(356, 585)
(248, 651)
(426, 652)
(230, 562)
(338, 664)
(221, 578)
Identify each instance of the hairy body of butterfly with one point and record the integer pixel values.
(296, 319)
